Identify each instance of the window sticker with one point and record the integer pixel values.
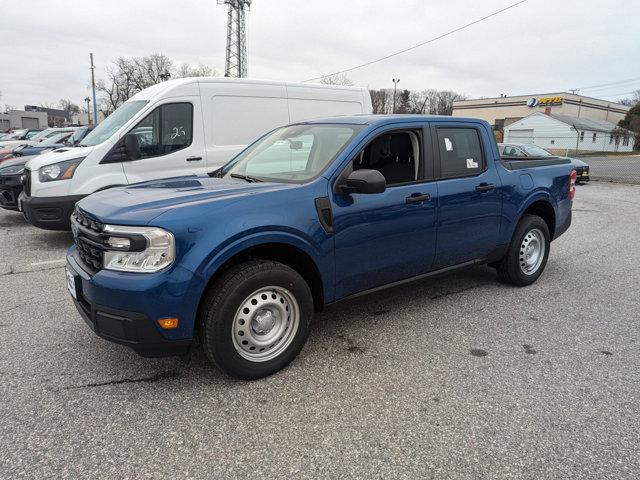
(448, 145)
(471, 163)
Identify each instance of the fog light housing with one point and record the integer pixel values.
(168, 323)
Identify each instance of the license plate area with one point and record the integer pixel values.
(71, 284)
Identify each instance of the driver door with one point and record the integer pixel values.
(171, 143)
(390, 236)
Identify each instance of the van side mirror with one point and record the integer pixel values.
(364, 181)
(132, 146)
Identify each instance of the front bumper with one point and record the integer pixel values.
(49, 213)
(124, 308)
(10, 188)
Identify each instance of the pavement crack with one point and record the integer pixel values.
(14, 308)
(12, 271)
(154, 378)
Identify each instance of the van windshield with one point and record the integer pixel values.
(293, 154)
(113, 122)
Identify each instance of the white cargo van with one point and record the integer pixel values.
(180, 127)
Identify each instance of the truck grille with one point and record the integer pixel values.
(26, 182)
(89, 240)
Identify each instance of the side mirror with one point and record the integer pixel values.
(364, 181)
(132, 146)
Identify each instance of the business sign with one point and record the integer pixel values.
(544, 102)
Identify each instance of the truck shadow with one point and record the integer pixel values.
(334, 330)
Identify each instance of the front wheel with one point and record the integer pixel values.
(527, 254)
(256, 319)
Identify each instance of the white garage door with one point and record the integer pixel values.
(519, 136)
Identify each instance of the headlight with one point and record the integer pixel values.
(14, 170)
(59, 171)
(138, 249)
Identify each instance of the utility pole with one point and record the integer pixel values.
(93, 91)
(88, 100)
(236, 56)
(395, 81)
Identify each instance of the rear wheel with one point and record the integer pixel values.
(528, 252)
(256, 319)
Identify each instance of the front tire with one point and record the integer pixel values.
(256, 319)
(528, 252)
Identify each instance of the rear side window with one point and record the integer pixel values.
(460, 152)
(166, 129)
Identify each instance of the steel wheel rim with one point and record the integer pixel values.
(532, 251)
(265, 324)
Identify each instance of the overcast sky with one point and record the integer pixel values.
(538, 47)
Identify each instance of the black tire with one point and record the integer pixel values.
(224, 300)
(510, 269)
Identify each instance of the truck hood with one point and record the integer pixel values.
(58, 155)
(140, 203)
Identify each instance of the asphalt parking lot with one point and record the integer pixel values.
(457, 377)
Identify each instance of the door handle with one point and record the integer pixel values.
(194, 159)
(418, 198)
(485, 187)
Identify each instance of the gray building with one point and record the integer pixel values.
(56, 117)
(23, 119)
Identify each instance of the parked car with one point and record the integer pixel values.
(20, 134)
(11, 170)
(179, 127)
(309, 214)
(38, 137)
(529, 150)
(10, 181)
(66, 139)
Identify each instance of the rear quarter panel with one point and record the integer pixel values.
(523, 187)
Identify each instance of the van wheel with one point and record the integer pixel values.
(256, 319)
(528, 253)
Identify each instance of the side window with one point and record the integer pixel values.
(395, 155)
(166, 129)
(460, 152)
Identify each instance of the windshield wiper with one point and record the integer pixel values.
(245, 177)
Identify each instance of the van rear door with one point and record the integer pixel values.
(171, 142)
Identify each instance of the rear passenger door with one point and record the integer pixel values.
(469, 202)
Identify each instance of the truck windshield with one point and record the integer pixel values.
(113, 122)
(535, 151)
(293, 154)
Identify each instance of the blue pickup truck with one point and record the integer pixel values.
(308, 215)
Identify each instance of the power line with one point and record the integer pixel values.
(420, 44)
(618, 94)
(608, 84)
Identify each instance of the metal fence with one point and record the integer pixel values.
(610, 158)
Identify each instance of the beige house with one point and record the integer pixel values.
(503, 111)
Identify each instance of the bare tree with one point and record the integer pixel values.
(337, 79)
(128, 76)
(68, 106)
(381, 100)
(185, 70)
(632, 100)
